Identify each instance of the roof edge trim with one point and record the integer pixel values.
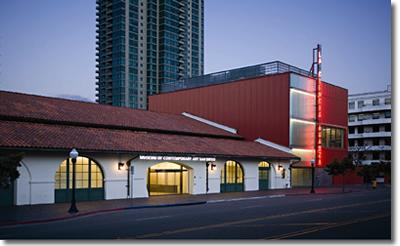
(226, 128)
(274, 145)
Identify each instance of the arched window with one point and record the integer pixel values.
(232, 177)
(88, 180)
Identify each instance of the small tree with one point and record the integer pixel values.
(368, 172)
(8, 169)
(341, 168)
(385, 168)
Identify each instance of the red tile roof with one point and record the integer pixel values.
(35, 122)
(45, 136)
(46, 109)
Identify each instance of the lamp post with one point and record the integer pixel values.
(312, 175)
(73, 155)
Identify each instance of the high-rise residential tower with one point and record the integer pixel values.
(145, 43)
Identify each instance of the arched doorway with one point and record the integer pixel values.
(168, 178)
(89, 184)
(232, 177)
(263, 174)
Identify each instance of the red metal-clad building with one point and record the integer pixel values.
(277, 106)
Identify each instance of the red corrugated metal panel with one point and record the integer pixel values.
(257, 107)
(334, 105)
(329, 154)
(350, 178)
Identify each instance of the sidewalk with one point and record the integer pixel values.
(27, 214)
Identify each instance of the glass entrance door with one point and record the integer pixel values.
(167, 179)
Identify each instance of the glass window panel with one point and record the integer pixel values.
(302, 105)
(85, 168)
(302, 134)
(78, 176)
(239, 173)
(302, 82)
(263, 164)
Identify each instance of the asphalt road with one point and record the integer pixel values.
(362, 215)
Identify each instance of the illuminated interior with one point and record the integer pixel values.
(86, 172)
(263, 175)
(232, 177)
(167, 178)
(89, 180)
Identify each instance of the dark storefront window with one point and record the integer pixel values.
(332, 137)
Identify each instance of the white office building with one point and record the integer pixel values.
(370, 130)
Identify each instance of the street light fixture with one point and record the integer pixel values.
(312, 175)
(73, 155)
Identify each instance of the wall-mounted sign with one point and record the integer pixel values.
(174, 158)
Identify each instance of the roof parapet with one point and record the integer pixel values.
(226, 128)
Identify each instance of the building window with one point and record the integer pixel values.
(360, 117)
(375, 142)
(351, 129)
(388, 127)
(375, 128)
(388, 114)
(351, 142)
(375, 116)
(375, 102)
(375, 156)
(352, 118)
(388, 141)
(360, 129)
(360, 142)
(352, 105)
(388, 155)
(284, 174)
(388, 101)
(332, 137)
(360, 104)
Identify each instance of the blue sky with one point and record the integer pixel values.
(48, 46)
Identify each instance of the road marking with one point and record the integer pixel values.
(302, 232)
(249, 220)
(252, 207)
(154, 218)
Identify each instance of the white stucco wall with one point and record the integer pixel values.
(37, 173)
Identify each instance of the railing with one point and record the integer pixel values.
(275, 67)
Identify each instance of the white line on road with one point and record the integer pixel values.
(252, 207)
(154, 218)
